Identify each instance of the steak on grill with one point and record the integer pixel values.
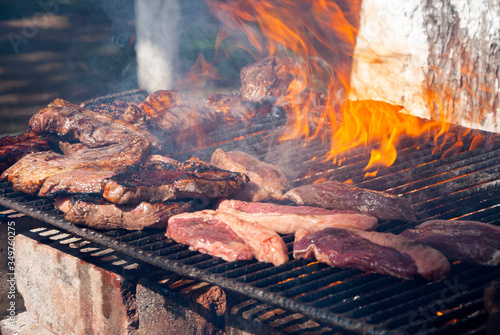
(156, 181)
(95, 212)
(177, 119)
(83, 180)
(335, 195)
(116, 108)
(468, 241)
(268, 79)
(288, 219)
(12, 148)
(233, 108)
(209, 235)
(30, 172)
(382, 253)
(90, 128)
(266, 245)
(267, 181)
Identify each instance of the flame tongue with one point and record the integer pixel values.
(321, 36)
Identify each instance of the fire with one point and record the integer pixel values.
(322, 35)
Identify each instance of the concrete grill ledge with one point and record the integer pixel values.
(68, 295)
(73, 286)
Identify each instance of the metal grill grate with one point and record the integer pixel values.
(461, 185)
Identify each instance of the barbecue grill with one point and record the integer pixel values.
(441, 180)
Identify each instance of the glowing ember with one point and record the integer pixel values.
(322, 35)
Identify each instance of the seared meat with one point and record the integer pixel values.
(234, 108)
(82, 180)
(115, 109)
(208, 235)
(30, 172)
(90, 128)
(161, 158)
(288, 219)
(12, 148)
(267, 181)
(177, 119)
(372, 251)
(468, 241)
(69, 149)
(335, 195)
(267, 246)
(268, 79)
(156, 181)
(95, 212)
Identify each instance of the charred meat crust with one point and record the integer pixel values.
(12, 148)
(268, 79)
(75, 123)
(157, 181)
(94, 211)
(30, 172)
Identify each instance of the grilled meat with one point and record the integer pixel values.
(288, 219)
(12, 148)
(115, 109)
(208, 235)
(335, 195)
(235, 109)
(30, 172)
(267, 181)
(95, 212)
(90, 128)
(267, 246)
(382, 253)
(268, 79)
(468, 241)
(157, 181)
(69, 149)
(81, 180)
(177, 119)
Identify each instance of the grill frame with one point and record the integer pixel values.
(438, 187)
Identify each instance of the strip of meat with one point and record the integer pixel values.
(90, 128)
(468, 241)
(30, 172)
(97, 213)
(267, 181)
(335, 195)
(12, 148)
(267, 246)
(382, 253)
(288, 219)
(209, 236)
(268, 79)
(156, 181)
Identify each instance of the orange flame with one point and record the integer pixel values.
(322, 35)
